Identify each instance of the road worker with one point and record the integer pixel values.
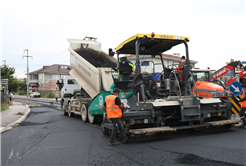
(181, 65)
(113, 108)
(181, 68)
(243, 106)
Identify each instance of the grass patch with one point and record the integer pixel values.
(50, 95)
(19, 113)
(22, 94)
(5, 106)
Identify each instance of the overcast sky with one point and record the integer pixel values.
(216, 29)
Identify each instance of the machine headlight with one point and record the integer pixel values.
(215, 94)
(146, 120)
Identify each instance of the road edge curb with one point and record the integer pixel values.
(10, 126)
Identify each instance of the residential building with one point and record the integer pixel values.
(46, 77)
(155, 62)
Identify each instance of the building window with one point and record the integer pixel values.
(62, 76)
(55, 77)
(40, 76)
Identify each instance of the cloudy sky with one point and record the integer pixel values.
(216, 28)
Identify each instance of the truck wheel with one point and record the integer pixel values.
(70, 113)
(84, 112)
(104, 130)
(91, 118)
(63, 108)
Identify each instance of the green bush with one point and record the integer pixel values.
(22, 93)
(51, 95)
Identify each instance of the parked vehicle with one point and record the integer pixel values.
(35, 94)
(207, 84)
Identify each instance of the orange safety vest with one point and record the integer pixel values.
(113, 111)
(181, 66)
(244, 101)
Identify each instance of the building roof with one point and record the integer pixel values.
(54, 69)
(165, 56)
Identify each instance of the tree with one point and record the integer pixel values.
(22, 85)
(13, 85)
(7, 73)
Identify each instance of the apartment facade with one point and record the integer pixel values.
(154, 63)
(46, 77)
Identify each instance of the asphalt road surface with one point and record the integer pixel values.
(47, 137)
(37, 101)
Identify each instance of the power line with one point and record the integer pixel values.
(16, 63)
(25, 65)
(16, 59)
(54, 55)
(51, 58)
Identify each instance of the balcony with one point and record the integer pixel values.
(33, 81)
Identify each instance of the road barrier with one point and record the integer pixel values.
(236, 104)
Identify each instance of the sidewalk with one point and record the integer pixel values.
(16, 113)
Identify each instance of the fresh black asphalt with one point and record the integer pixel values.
(47, 137)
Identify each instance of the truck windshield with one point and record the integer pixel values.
(72, 81)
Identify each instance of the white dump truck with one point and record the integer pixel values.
(91, 79)
(68, 86)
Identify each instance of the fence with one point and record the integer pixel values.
(4, 98)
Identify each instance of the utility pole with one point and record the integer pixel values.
(27, 84)
(4, 62)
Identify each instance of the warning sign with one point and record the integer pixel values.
(236, 104)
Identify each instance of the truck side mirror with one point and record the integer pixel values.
(110, 52)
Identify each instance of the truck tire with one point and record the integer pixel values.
(62, 105)
(84, 112)
(104, 130)
(70, 113)
(63, 108)
(92, 119)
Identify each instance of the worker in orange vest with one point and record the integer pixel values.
(113, 108)
(180, 68)
(181, 65)
(242, 113)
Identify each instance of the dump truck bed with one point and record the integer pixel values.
(85, 74)
(91, 66)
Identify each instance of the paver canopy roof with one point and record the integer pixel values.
(150, 44)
